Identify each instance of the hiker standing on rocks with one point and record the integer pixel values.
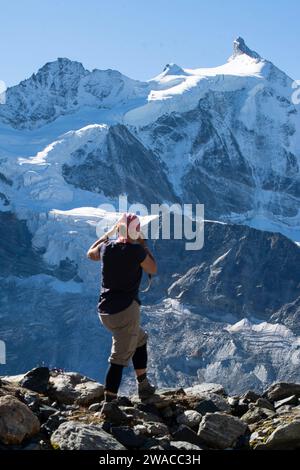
(123, 261)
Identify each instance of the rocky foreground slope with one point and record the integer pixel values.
(60, 410)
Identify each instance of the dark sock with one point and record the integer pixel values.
(140, 357)
(113, 377)
(142, 377)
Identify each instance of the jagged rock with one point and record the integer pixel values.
(255, 414)
(220, 402)
(292, 400)
(251, 396)
(156, 443)
(149, 409)
(139, 415)
(190, 418)
(53, 422)
(45, 412)
(32, 400)
(201, 389)
(36, 379)
(284, 437)
(182, 445)
(212, 402)
(233, 401)
(240, 47)
(221, 431)
(129, 437)
(282, 390)
(152, 429)
(17, 421)
(159, 401)
(186, 434)
(264, 403)
(70, 387)
(112, 413)
(206, 406)
(240, 407)
(73, 435)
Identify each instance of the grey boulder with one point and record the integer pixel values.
(221, 431)
(284, 437)
(71, 387)
(74, 435)
(17, 421)
(190, 418)
(282, 390)
(36, 379)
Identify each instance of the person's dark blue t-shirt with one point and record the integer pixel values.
(121, 275)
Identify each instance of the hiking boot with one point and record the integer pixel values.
(145, 389)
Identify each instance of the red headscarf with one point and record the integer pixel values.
(128, 227)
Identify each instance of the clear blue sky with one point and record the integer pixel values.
(138, 37)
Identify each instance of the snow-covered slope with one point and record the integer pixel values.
(228, 137)
(64, 86)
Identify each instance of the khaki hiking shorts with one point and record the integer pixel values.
(127, 334)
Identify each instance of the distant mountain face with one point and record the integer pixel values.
(227, 137)
(64, 86)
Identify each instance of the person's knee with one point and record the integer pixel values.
(143, 338)
(122, 353)
(119, 359)
(140, 357)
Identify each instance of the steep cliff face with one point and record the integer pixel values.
(122, 165)
(239, 270)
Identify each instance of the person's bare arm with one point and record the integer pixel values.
(93, 252)
(149, 264)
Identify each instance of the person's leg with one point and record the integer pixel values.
(124, 327)
(112, 381)
(139, 360)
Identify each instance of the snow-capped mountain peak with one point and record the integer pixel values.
(173, 69)
(240, 47)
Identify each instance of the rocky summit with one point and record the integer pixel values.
(53, 409)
